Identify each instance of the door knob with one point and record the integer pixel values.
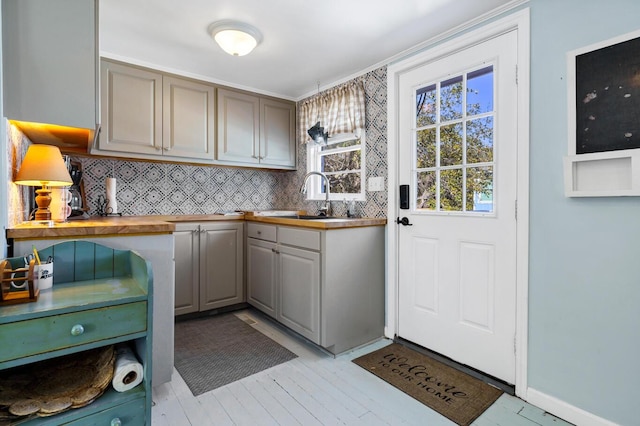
(404, 221)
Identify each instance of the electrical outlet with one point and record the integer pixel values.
(376, 183)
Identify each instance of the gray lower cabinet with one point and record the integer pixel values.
(261, 275)
(209, 266)
(299, 295)
(326, 285)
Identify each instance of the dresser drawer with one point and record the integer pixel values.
(24, 338)
(131, 413)
(261, 232)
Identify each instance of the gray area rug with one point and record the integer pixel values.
(214, 351)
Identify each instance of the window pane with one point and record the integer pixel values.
(426, 196)
(451, 190)
(480, 189)
(344, 144)
(426, 106)
(349, 160)
(480, 91)
(426, 148)
(451, 145)
(345, 183)
(480, 140)
(451, 99)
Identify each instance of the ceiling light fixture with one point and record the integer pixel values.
(234, 37)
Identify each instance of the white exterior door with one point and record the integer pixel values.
(457, 138)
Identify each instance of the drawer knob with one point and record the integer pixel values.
(116, 422)
(77, 330)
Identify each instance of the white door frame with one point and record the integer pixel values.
(517, 21)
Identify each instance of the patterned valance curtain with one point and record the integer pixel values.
(339, 110)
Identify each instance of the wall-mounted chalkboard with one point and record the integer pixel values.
(607, 98)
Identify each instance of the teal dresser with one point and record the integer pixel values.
(100, 297)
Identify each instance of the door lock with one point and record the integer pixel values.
(404, 221)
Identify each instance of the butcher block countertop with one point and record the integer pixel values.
(319, 223)
(165, 224)
(112, 225)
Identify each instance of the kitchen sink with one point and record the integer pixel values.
(313, 217)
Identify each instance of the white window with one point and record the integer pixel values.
(342, 161)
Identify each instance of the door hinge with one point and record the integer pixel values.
(516, 209)
(516, 74)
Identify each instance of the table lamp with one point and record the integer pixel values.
(43, 166)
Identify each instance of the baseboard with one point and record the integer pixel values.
(564, 410)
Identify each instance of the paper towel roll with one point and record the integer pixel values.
(128, 371)
(112, 203)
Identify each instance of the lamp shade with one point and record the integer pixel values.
(235, 38)
(43, 166)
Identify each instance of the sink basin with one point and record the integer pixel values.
(313, 217)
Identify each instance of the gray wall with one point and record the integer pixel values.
(584, 306)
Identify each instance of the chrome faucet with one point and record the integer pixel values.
(324, 211)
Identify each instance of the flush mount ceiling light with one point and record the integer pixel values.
(235, 38)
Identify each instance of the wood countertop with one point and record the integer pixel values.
(332, 223)
(165, 224)
(112, 225)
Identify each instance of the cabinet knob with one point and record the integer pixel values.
(166, 149)
(259, 232)
(77, 330)
(116, 422)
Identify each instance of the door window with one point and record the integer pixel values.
(454, 144)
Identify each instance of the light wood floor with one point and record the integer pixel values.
(316, 389)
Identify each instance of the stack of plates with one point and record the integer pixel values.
(50, 387)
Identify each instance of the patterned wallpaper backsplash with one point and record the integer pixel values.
(147, 188)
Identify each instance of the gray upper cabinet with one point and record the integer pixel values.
(131, 110)
(151, 115)
(254, 130)
(238, 127)
(50, 62)
(187, 118)
(277, 133)
(146, 114)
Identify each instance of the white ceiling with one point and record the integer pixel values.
(305, 42)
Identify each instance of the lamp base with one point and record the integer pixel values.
(43, 200)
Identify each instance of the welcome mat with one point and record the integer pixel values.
(454, 394)
(214, 351)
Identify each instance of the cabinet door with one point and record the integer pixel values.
(277, 133)
(50, 60)
(187, 119)
(299, 292)
(221, 265)
(238, 127)
(187, 276)
(131, 110)
(261, 275)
